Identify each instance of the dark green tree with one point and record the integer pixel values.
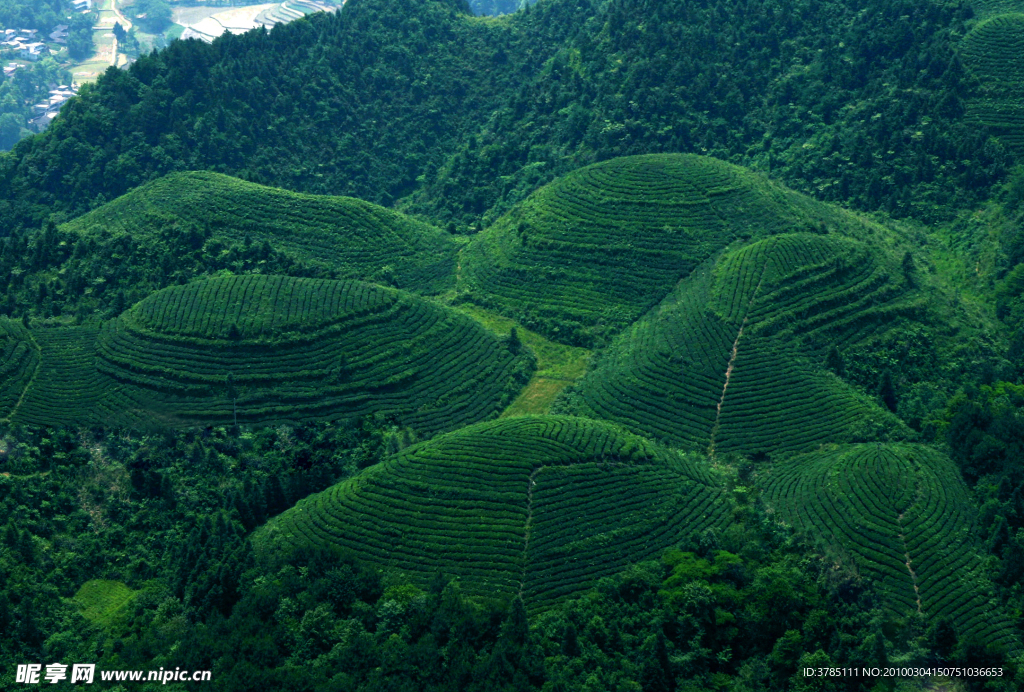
(887, 390)
(834, 361)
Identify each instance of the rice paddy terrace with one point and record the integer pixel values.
(358, 239)
(994, 53)
(729, 362)
(902, 516)
(261, 349)
(590, 253)
(538, 506)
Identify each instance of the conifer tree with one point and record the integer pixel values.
(887, 391)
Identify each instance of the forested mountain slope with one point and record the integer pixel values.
(647, 345)
(860, 101)
(358, 103)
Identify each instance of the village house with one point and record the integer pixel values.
(46, 111)
(82, 5)
(59, 33)
(34, 51)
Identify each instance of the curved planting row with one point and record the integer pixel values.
(266, 308)
(541, 506)
(597, 248)
(778, 401)
(901, 513)
(19, 359)
(68, 389)
(664, 375)
(994, 49)
(994, 53)
(264, 348)
(729, 362)
(358, 239)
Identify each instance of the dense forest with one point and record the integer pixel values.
(464, 117)
(587, 345)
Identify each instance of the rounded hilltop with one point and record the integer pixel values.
(264, 349)
(588, 254)
(540, 506)
(732, 360)
(901, 516)
(354, 238)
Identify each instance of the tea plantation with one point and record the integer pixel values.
(19, 359)
(590, 253)
(259, 349)
(994, 53)
(730, 361)
(357, 239)
(902, 516)
(537, 505)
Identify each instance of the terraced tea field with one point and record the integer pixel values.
(69, 389)
(19, 361)
(259, 349)
(541, 506)
(729, 362)
(103, 601)
(358, 239)
(988, 8)
(588, 254)
(902, 516)
(994, 53)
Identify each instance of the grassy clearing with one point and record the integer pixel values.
(558, 365)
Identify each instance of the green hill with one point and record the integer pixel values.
(261, 349)
(901, 515)
(730, 362)
(988, 8)
(994, 53)
(538, 506)
(357, 239)
(590, 253)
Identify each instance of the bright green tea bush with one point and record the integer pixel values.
(357, 239)
(900, 515)
(260, 349)
(538, 506)
(729, 362)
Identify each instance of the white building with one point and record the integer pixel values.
(34, 51)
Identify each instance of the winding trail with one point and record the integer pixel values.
(732, 356)
(903, 540)
(531, 483)
(910, 568)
